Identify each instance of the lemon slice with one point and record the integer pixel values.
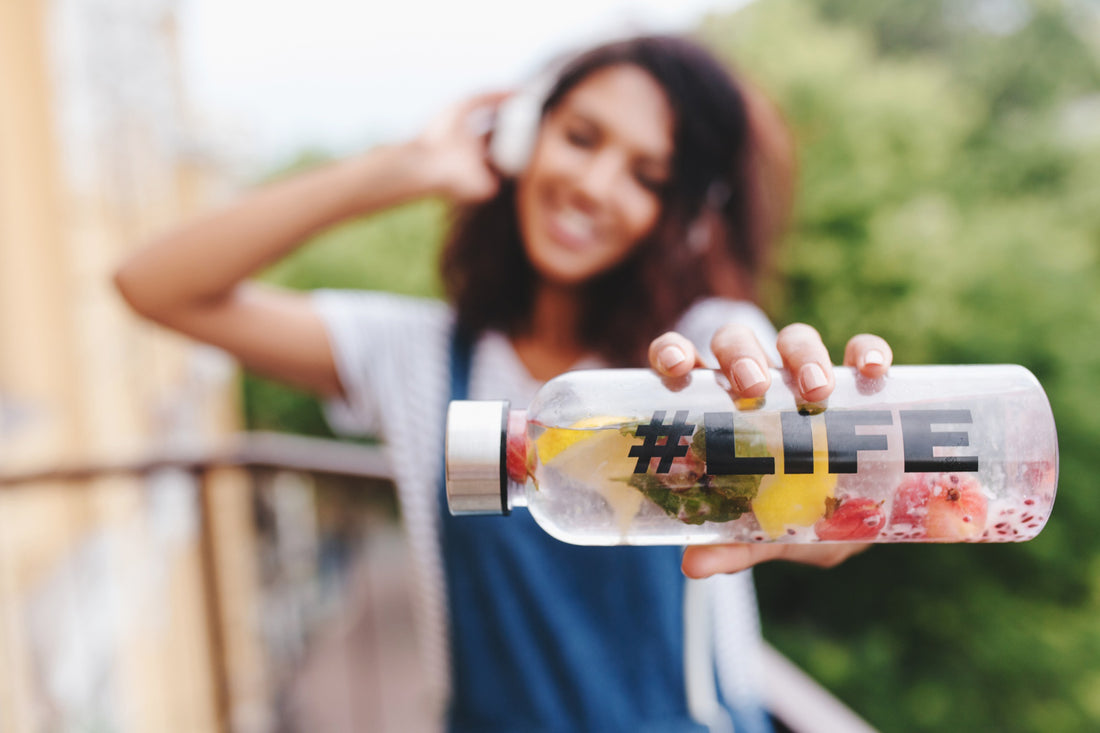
(594, 452)
(554, 440)
(795, 500)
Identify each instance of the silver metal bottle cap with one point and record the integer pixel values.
(476, 473)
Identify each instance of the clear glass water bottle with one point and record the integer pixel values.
(624, 456)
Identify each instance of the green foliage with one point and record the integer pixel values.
(949, 188)
(395, 251)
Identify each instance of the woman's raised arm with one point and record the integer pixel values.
(192, 278)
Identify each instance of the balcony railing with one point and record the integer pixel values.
(334, 602)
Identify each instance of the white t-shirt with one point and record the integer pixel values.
(392, 355)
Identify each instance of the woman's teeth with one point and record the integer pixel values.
(577, 224)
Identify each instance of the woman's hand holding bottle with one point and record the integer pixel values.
(744, 360)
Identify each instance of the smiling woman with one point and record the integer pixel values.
(643, 208)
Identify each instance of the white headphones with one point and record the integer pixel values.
(516, 124)
(515, 129)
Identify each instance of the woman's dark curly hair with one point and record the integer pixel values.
(727, 199)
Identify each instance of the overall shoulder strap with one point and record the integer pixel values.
(461, 354)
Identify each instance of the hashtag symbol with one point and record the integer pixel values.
(666, 451)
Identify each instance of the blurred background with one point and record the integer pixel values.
(167, 564)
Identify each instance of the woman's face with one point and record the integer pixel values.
(592, 190)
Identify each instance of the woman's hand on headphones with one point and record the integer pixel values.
(452, 150)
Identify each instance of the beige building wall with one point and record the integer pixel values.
(36, 348)
(103, 592)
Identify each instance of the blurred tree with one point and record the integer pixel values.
(949, 188)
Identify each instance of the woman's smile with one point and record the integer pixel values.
(573, 228)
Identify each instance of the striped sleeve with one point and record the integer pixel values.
(374, 337)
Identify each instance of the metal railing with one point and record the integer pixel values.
(379, 587)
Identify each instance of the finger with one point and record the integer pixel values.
(488, 99)
(470, 116)
(807, 360)
(673, 355)
(702, 561)
(479, 111)
(868, 353)
(743, 359)
(482, 185)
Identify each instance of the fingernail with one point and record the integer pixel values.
(747, 373)
(670, 356)
(874, 357)
(811, 376)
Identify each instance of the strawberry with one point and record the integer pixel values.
(684, 473)
(911, 503)
(850, 519)
(940, 506)
(516, 458)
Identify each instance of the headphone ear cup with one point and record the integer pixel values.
(516, 127)
(514, 131)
